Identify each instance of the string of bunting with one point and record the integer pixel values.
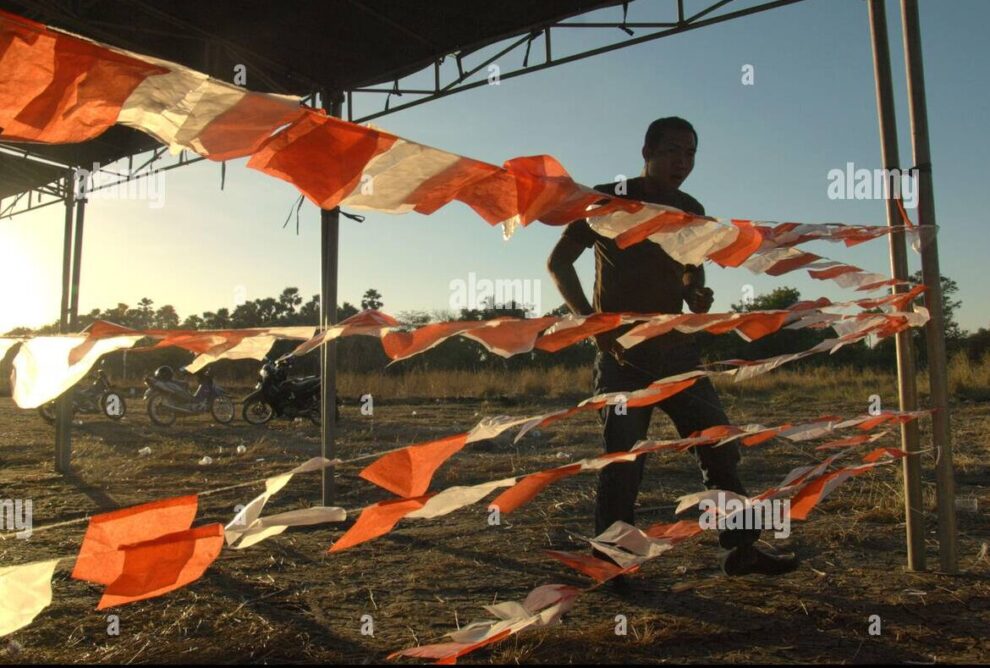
(56, 87)
(46, 366)
(148, 550)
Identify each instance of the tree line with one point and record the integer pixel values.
(285, 310)
(363, 354)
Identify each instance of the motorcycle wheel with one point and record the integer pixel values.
(48, 412)
(222, 409)
(113, 405)
(257, 411)
(316, 413)
(159, 412)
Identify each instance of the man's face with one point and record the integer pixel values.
(672, 159)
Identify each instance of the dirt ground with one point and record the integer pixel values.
(287, 600)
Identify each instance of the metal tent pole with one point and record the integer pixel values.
(76, 265)
(935, 330)
(906, 381)
(329, 253)
(63, 413)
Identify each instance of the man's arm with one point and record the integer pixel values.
(561, 268)
(698, 298)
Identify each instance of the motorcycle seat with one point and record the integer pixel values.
(174, 386)
(299, 384)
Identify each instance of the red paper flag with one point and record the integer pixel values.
(526, 489)
(447, 653)
(791, 263)
(744, 245)
(399, 345)
(655, 393)
(595, 568)
(240, 130)
(323, 157)
(100, 557)
(408, 472)
(441, 189)
(541, 182)
(668, 221)
(377, 520)
(675, 532)
(57, 88)
(162, 565)
(880, 453)
(815, 491)
(511, 337)
(593, 324)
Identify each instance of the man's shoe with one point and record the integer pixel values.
(747, 559)
(620, 585)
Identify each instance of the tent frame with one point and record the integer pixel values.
(336, 101)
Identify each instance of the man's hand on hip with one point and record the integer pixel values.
(699, 300)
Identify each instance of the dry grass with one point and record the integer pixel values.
(446, 384)
(286, 600)
(970, 380)
(966, 381)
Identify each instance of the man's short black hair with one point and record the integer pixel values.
(661, 126)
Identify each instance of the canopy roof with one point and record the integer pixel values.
(298, 47)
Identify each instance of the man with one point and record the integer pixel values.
(644, 279)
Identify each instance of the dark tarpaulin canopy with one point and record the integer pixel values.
(297, 47)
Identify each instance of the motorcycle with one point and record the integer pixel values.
(278, 395)
(98, 397)
(168, 397)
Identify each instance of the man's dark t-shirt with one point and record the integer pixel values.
(641, 278)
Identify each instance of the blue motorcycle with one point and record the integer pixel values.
(169, 397)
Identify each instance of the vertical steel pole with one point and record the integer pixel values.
(63, 413)
(906, 381)
(329, 252)
(937, 372)
(76, 264)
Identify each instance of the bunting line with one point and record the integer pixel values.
(41, 372)
(56, 87)
(379, 518)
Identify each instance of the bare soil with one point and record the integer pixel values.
(287, 600)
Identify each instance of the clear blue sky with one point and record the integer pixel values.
(764, 153)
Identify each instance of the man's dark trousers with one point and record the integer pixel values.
(698, 407)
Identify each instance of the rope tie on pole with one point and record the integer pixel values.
(295, 205)
(623, 27)
(394, 91)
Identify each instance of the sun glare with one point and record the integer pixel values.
(28, 286)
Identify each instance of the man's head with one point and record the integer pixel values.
(668, 150)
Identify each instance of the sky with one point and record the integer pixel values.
(765, 152)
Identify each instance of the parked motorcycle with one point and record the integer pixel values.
(96, 397)
(168, 397)
(278, 395)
